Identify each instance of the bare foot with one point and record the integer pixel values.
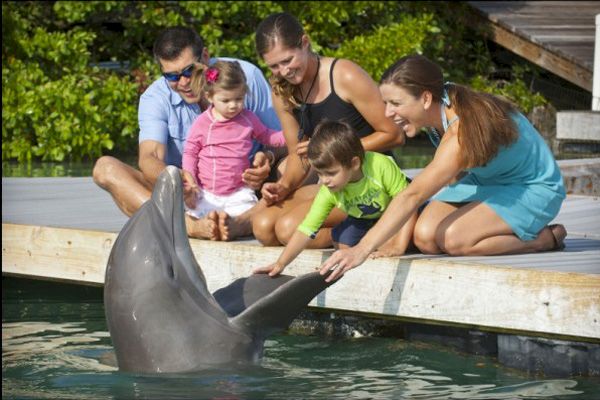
(386, 251)
(203, 228)
(231, 228)
(559, 233)
(223, 225)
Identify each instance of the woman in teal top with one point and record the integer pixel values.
(494, 183)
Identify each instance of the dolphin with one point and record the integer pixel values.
(161, 316)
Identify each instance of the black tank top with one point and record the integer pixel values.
(332, 108)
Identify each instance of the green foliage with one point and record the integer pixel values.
(55, 104)
(59, 104)
(514, 90)
(409, 34)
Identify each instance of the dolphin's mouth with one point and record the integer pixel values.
(168, 196)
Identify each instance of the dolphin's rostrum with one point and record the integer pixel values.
(160, 313)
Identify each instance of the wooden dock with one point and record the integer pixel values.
(555, 35)
(63, 229)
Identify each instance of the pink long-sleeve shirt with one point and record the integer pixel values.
(216, 152)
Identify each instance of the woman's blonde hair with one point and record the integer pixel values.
(222, 75)
(282, 28)
(485, 119)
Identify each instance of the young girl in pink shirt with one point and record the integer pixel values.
(217, 149)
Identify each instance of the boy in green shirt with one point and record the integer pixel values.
(360, 183)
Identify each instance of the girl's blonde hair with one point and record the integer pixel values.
(281, 28)
(222, 75)
(485, 119)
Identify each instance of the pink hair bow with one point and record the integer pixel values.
(212, 74)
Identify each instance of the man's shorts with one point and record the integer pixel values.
(233, 204)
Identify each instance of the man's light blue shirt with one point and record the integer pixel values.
(163, 116)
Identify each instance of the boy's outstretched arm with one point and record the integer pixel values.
(297, 243)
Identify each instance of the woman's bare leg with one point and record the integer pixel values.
(398, 244)
(263, 222)
(288, 223)
(475, 229)
(424, 235)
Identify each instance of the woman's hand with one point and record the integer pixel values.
(271, 269)
(302, 149)
(342, 261)
(274, 192)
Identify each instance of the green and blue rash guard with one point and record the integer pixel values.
(368, 198)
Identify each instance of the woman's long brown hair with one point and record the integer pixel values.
(485, 119)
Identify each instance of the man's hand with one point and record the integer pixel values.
(258, 173)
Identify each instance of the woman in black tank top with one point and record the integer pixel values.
(307, 89)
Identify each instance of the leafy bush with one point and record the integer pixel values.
(409, 35)
(55, 105)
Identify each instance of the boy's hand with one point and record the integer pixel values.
(272, 269)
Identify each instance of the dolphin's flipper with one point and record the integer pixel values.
(243, 292)
(277, 310)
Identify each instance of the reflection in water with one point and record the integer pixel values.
(65, 360)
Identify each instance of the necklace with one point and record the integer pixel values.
(303, 104)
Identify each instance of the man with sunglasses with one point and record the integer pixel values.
(166, 110)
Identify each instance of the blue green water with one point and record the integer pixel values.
(417, 155)
(55, 345)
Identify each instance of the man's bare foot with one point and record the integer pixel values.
(203, 228)
(231, 228)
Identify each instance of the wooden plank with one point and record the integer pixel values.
(558, 36)
(70, 255)
(495, 298)
(553, 62)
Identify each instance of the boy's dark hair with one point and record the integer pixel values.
(172, 41)
(334, 142)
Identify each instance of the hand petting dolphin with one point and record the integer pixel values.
(160, 313)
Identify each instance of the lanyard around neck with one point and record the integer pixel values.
(303, 104)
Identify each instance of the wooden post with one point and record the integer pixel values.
(596, 89)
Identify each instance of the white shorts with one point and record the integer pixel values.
(233, 204)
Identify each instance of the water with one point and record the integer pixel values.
(55, 345)
(417, 155)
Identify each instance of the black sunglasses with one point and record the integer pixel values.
(174, 76)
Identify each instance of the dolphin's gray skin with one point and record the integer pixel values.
(160, 314)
